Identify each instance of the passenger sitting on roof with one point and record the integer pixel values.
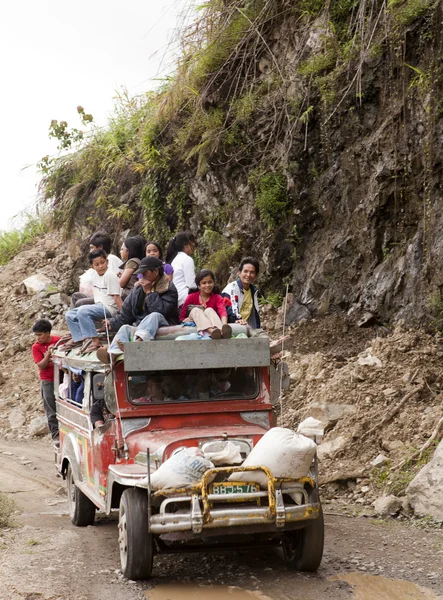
(132, 251)
(179, 255)
(150, 305)
(244, 295)
(107, 302)
(154, 249)
(206, 308)
(99, 241)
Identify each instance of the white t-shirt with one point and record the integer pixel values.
(106, 286)
(114, 263)
(184, 275)
(86, 279)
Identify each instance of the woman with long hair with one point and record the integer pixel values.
(154, 249)
(206, 308)
(179, 256)
(131, 252)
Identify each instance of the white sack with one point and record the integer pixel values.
(284, 452)
(222, 453)
(86, 284)
(184, 468)
(311, 428)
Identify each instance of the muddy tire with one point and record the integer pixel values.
(81, 509)
(135, 542)
(303, 549)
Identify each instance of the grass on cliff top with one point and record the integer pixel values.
(12, 242)
(206, 109)
(7, 509)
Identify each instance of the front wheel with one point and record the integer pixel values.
(303, 549)
(81, 509)
(135, 542)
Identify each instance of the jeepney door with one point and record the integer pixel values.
(102, 439)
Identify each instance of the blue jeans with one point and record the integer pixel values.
(81, 321)
(146, 331)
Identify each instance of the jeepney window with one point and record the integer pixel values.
(76, 388)
(156, 387)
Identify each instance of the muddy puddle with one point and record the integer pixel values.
(195, 592)
(370, 587)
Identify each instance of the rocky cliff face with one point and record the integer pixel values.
(312, 139)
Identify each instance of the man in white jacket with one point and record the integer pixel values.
(243, 294)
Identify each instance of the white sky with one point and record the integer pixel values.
(58, 54)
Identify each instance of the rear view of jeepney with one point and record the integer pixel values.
(188, 452)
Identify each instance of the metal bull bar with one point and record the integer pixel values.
(201, 515)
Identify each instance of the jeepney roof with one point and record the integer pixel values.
(86, 362)
(197, 354)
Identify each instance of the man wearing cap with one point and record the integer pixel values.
(151, 304)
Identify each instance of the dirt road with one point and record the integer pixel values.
(44, 557)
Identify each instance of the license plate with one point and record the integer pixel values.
(224, 488)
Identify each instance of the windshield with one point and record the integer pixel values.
(156, 387)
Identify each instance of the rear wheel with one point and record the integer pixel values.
(81, 509)
(135, 542)
(303, 549)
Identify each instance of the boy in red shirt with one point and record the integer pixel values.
(41, 352)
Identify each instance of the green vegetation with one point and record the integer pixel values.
(406, 12)
(7, 509)
(435, 309)
(396, 482)
(33, 542)
(272, 200)
(275, 299)
(228, 107)
(220, 252)
(12, 242)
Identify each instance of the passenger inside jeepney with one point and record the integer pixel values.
(196, 385)
(99, 412)
(77, 387)
(146, 389)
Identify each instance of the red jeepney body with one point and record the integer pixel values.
(117, 451)
(166, 396)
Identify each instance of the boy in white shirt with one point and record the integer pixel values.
(107, 302)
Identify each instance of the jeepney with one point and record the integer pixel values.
(166, 395)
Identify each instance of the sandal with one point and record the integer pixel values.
(216, 334)
(103, 355)
(69, 345)
(63, 340)
(93, 348)
(84, 347)
(226, 332)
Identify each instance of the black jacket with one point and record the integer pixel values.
(139, 305)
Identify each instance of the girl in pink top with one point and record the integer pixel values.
(206, 308)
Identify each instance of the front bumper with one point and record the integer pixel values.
(195, 510)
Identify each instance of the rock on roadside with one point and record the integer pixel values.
(37, 283)
(387, 506)
(425, 492)
(38, 426)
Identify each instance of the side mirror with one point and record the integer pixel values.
(98, 386)
(110, 400)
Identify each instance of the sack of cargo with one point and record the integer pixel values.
(311, 428)
(222, 453)
(284, 452)
(86, 284)
(185, 467)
